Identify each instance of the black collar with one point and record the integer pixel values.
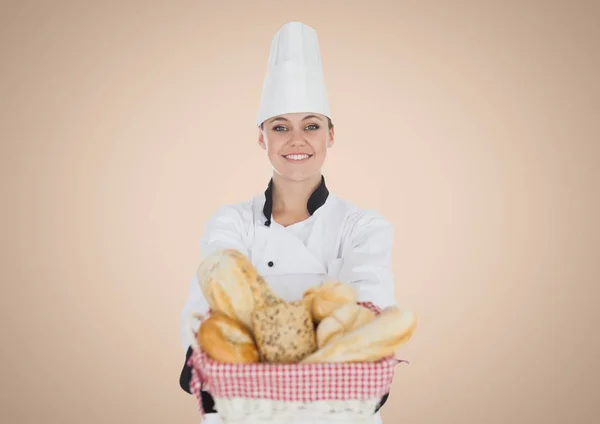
(315, 201)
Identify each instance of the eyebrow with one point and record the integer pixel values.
(311, 116)
(281, 118)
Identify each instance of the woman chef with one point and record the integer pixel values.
(297, 233)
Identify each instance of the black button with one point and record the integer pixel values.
(267, 223)
(270, 263)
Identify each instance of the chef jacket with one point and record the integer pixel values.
(338, 241)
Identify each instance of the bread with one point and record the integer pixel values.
(371, 342)
(226, 340)
(284, 332)
(232, 286)
(326, 298)
(344, 319)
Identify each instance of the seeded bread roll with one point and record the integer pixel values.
(232, 285)
(284, 332)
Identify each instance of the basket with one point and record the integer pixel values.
(264, 392)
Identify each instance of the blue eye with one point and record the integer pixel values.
(311, 127)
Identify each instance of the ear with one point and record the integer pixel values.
(331, 138)
(261, 139)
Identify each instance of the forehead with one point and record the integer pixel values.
(297, 117)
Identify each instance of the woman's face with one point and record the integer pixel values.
(296, 143)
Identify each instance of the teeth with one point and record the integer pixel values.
(296, 157)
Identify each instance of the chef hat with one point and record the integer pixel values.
(294, 80)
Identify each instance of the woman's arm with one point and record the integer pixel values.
(367, 259)
(224, 230)
(367, 263)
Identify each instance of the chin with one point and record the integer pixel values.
(297, 172)
(298, 176)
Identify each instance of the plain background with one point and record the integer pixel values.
(473, 126)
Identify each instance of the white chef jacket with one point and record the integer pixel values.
(339, 241)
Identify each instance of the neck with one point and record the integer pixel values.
(292, 196)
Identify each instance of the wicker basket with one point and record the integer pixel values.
(263, 393)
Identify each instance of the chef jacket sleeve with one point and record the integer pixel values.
(225, 229)
(367, 259)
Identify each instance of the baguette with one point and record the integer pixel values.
(232, 285)
(371, 342)
(327, 297)
(344, 319)
(226, 340)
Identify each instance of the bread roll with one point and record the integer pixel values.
(344, 319)
(226, 340)
(371, 342)
(232, 286)
(284, 332)
(326, 298)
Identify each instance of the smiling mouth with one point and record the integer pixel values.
(297, 157)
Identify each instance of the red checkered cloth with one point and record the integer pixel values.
(292, 382)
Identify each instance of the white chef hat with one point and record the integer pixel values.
(294, 80)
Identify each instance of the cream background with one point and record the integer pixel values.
(473, 126)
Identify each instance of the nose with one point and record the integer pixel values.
(297, 138)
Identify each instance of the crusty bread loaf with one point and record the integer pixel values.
(284, 332)
(371, 342)
(344, 319)
(226, 340)
(232, 285)
(327, 297)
